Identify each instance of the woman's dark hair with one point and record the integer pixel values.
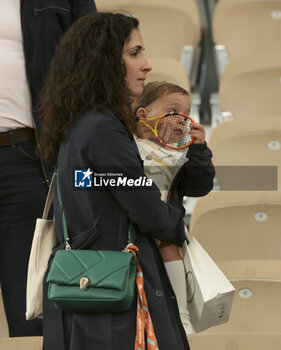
(87, 71)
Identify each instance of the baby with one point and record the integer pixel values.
(177, 173)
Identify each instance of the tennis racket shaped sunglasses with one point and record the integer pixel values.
(171, 129)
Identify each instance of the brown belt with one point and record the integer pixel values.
(12, 137)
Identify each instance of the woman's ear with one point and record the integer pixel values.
(141, 112)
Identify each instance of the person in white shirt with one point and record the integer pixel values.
(28, 39)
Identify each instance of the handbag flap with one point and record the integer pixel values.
(103, 268)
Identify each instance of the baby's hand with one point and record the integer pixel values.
(198, 132)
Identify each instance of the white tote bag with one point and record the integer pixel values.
(43, 241)
(209, 292)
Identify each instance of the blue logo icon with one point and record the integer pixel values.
(83, 178)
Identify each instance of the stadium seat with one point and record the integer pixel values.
(21, 343)
(239, 341)
(234, 131)
(251, 87)
(3, 323)
(247, 27)
(237, 269)
(256, 309)
(243, 152)
(170, 70)
(166, 26)
(241, 232)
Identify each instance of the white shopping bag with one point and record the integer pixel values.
(44, 239)
(209, 292)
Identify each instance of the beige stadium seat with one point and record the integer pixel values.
(21, 343)
(248, 27)
(166, 26)
(251, 87)
(241, 232)
(243, 152)
(233, 132)
(169, 70)
(256, 309)
(239, 341)
(3, 322)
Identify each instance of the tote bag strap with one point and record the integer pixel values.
(131, 232)
(49, 199)
(187, 234)
(64, 225)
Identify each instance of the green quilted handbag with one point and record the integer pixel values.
(92, 280)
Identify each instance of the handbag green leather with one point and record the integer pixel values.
(92, 280)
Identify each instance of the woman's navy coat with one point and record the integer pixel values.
(99, 219)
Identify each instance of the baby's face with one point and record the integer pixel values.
(170, 102)
(172, 129)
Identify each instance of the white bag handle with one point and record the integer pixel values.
(187, 233)
(49, 199)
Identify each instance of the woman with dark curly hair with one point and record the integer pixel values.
(88, 130)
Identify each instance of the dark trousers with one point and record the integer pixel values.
(22, 198)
